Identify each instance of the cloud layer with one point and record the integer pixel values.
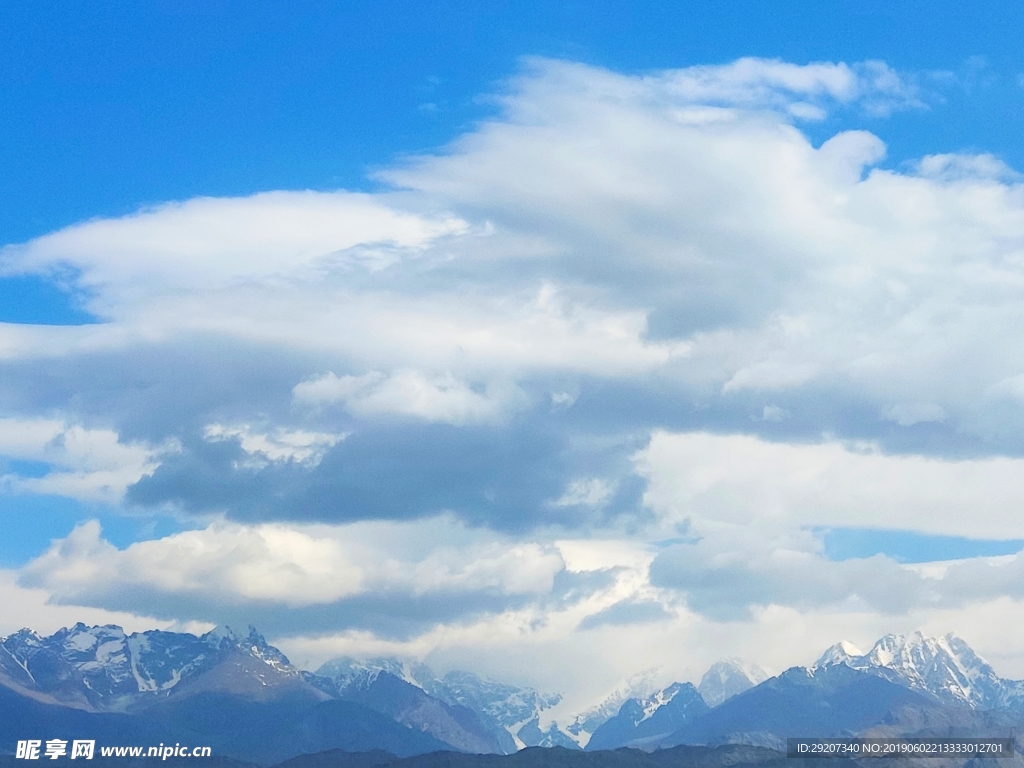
(614, 358)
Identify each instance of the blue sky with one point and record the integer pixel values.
(448, 333)
(113, 106)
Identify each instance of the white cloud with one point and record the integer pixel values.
(750, 508)
(738, 480)
(582, 555)
(953, 167)
(586, 492)
(525, 568)
(595, 202)
(272, 563)
(294, 565)
(280, 445)
(410, 393)
(759, 83)
(770, 375)
(215, 241)
(90, 464)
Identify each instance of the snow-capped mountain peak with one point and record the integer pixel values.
(727, 678)
(946, 667)
(221, 634)
(103, 668)
(253, 643)
(839, 653)
(644, 721)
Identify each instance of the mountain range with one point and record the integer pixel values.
(241, 696)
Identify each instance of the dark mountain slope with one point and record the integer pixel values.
(637, 726)
(258, 732)
(801, 702)
(455, 725)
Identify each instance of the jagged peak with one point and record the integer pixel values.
(904, 650)
(23, 633)
(80, 628)
(220, 633)
(914, 647)
(946, 667)
(224, 633)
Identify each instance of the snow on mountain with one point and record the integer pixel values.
(640, 686)
(946, 667)
(391, 686)
(727, 678)
(642, 722)
(346, 671)
(531, 735)
(102, 668)
(505, 704)
(840, 653)
(509, 712)
(724, 680)
(506, 708)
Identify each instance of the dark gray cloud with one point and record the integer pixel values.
(160, 390)
(503, 477)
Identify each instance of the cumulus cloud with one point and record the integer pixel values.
(292, 566)
(737, 480)
(751, 507)
(676, 225)
(88, 464)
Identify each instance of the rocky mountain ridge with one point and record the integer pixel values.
(905, 683)
(944, 667)
(104, 669)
